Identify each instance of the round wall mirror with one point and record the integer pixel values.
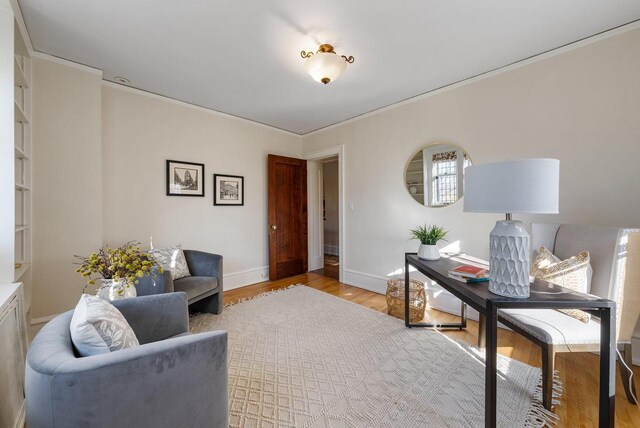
(434, 176)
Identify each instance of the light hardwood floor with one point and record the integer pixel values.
(578, 371)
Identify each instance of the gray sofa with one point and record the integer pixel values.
(173, 379)
(203, 287)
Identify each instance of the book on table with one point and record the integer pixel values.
(469, 273)
(467, 280)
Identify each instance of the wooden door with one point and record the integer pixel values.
(287, 217)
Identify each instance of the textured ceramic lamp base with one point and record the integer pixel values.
(509, 261)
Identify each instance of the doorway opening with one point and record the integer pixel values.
(330, 219)
(326, 210)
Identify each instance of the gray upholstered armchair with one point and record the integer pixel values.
(203, 287)
(173, 379)
(615, 259)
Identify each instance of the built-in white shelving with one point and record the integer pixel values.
(19, 272)
(20, 79)
(19, 115)
(22, 151)
(20, 154)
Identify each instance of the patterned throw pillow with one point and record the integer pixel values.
(98, 327)
(173, 260)
(573, 273)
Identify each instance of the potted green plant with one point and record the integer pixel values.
(118, 269)
(429, 236)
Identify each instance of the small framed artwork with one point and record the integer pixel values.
(228, 190)
(185, 178)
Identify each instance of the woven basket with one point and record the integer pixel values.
(417, 299)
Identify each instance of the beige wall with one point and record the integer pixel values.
(67, 181)
(140, 133)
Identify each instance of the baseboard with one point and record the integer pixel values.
(43, 320)
(245, 277)
(334, 250)
(367, 281)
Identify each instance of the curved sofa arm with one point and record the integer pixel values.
(148, 285)
(163, 383)
(204, 264)
(156, 317)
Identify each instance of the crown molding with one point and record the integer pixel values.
(67, 63)
(17, 14)
(630, 26)
(153, 95)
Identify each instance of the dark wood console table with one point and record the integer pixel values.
(544, 295)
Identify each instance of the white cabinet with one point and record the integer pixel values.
(13, 337)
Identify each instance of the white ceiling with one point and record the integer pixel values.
(243, 57)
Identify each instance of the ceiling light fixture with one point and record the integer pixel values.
(325, 65)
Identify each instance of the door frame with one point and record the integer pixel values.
(319, 155)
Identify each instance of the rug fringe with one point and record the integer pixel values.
(538, 416)
(266, 293)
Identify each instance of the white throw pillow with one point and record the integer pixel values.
(173, 260)
(98, 327)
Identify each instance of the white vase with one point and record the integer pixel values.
(428, 252)
(111, 289)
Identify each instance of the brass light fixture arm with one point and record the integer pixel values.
(326, 48)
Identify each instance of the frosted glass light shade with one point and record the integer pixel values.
(524, 186)
(325, 65)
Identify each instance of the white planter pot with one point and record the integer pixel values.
(115, 290)
(428, 252)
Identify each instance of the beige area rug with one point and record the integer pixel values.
(303, 358)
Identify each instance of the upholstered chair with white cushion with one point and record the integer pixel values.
(171, 379)
(615, 260)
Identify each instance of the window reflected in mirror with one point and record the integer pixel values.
(434, 176)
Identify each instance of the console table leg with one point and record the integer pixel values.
(463, 315)
(491, 365)
(406, 293)
(607, 367)
(482, 331)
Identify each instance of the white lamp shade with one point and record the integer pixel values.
(325, 65)
(525, 186)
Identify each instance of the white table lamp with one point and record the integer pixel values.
(525, 186)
